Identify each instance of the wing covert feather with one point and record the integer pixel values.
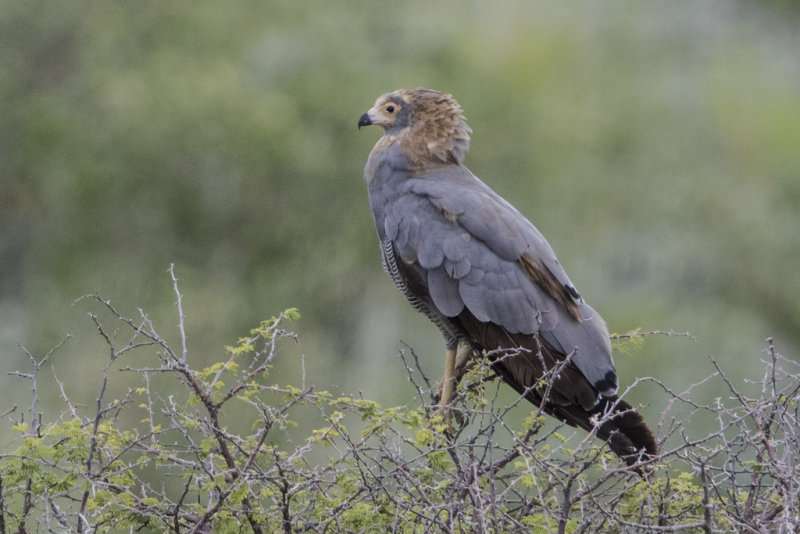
(471, 244)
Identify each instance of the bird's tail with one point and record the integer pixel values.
(622, 427)
(615, 421)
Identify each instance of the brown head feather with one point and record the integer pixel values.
(428, 125)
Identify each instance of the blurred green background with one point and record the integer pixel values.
(656, 145)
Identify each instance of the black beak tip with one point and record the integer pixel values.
(364, 121)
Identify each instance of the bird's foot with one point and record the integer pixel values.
(456, 364)
(436, 396)
(464, 359)
(444, 415)
(441, 422)
(445, 411)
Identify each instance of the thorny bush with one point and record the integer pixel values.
(188, 467)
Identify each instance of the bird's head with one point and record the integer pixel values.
(428, 124)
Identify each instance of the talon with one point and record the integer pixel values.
(458, 415)
(436, 395)
(446, 414)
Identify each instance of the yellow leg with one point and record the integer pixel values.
(448, 385)
(462, 360)
(455, 365)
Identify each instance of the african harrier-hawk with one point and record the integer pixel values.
(474, 265)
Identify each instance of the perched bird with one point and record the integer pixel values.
(485, 276)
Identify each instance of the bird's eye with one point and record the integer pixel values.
(390, 109)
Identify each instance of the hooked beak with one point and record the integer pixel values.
(364, 120)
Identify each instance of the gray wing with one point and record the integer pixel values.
(469, 242)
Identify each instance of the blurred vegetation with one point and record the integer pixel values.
(655, 145)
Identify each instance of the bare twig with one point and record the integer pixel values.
(181, 316)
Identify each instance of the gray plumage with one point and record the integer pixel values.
(475, 265)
